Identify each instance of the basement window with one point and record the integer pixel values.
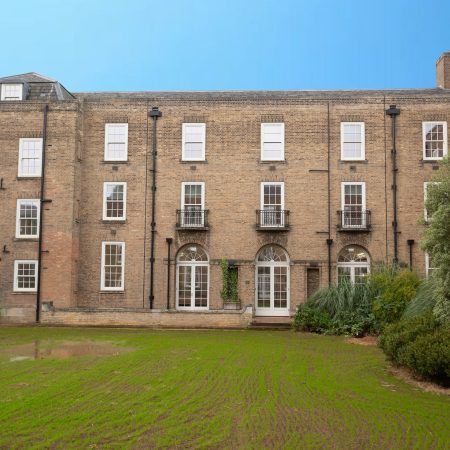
(11, 92)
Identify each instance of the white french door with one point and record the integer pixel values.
(354, 273)
(192, 286)
(272, 290)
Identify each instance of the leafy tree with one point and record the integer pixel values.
(436, 240)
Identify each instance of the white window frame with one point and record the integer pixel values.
(427, 265)
(202, 126)
(20, 168)
(106, 156)
(263, 126)
(102, 276)
(445, 150)
(115, 183)
(194, 183)
(352, 265)
(183, 206)
(38, 204)
(363, 194)
(363, 141)
(16, 274)
(261, 201)
(3, 92)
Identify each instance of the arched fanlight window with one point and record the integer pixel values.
(192, 278)
(353, 264)
(272, 282)
(192, 253)
(272, 253)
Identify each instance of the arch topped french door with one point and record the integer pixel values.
(353, 264)
(272, 282)
(192, 278)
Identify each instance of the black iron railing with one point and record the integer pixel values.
(192, 219)
(268, 219)
(354, 220)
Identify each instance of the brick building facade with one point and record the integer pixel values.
(118, 208)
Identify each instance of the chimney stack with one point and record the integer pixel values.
(443, 71)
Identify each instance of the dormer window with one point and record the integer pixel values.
(12, 92)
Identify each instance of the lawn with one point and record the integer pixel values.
(208, 389)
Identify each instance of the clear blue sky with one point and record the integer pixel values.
(132, 45)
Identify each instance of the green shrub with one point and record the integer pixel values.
(310, 319)
(436, 240)
(423, 302)
(381, 277)
(400, 334)
(428, 356)
(356, 323)
(395, 293)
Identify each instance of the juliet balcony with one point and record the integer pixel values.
(192, 219)
(272, 220)
(354, 220)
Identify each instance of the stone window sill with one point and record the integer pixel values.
(33, 239)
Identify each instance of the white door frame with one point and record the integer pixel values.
(192, 265)
(272, 311)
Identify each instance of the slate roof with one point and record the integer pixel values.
(261, 95)
(40, 87)
(44, 88)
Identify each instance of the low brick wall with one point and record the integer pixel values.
(147, 318)
(17, 315)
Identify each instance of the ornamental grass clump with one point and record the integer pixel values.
(345, 308)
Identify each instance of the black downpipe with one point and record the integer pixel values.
(41, 217)
(169, 242)
(393, 112)
(329, 240)
(154, 114)
(410, 243)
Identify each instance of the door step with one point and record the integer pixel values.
(271, 323)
